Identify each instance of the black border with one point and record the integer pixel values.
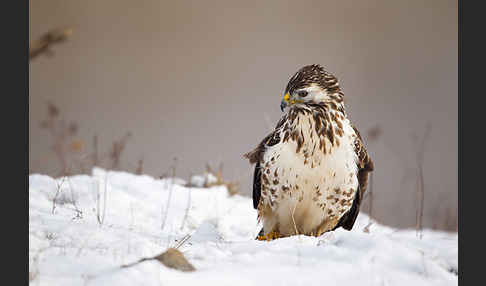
(471, 204)
(15, 101)
(16, 141)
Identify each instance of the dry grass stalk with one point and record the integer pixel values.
(450, 221)
(166, 212)
(183, 240)
(292, 213)
(231, 186)
(370, 206)
(101, 212)
(117, 148)
(46, 41)
(420, 149)
(69, 151)
(420, 200)
(373, 134)
(79, 213)
(188, 207)
(63, 136)
(139, 169)
(56, 125)
(95, 151)
(58, 191)
(447, 214)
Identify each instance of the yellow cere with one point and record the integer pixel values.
(287, 96)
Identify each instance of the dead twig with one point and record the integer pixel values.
(58, 191)
(165, 213)
(183, 240)
(95, 151)
(231, 186)
(117, 149)
(186, 213)
(79, 213)
(62, 134)
(101, 213)
(373, 134)
(139, 169)
(420, 149)
(370, 206)
(69, 151)
(45, 42)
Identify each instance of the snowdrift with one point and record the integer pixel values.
(83, 228)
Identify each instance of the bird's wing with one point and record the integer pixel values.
(365, 166)
(256, 156)
(257, 185)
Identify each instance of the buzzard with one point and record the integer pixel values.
(311, 172)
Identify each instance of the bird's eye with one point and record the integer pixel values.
(302, 93)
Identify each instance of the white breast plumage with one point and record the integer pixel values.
(308, 191)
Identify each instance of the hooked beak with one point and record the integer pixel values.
(285, 101)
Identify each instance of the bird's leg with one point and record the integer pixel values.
(262, 237)
(260, 233)
(274, 235)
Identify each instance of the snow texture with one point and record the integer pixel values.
(83, 228)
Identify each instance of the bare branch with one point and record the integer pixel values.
(46, 41)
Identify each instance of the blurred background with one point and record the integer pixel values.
(167, 87)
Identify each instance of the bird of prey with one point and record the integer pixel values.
(311, 171)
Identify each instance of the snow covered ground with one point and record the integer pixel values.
(83, 228)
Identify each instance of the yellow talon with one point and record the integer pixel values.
(269, 236)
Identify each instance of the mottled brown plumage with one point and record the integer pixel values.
(314, 161)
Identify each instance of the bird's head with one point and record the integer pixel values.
(311, 85)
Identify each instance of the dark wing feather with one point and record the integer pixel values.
(365, 166)
(256, 156)
(257, 185)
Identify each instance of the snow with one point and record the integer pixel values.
(83, 228)
(200, 181)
